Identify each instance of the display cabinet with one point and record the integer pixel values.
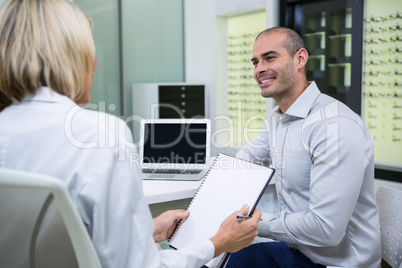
(332, 31)
(179, 101)
(166, 100)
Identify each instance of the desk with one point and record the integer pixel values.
(162, 195)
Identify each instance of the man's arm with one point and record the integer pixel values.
(336, 177)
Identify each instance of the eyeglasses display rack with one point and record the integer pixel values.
(382, 83)
(245, 106)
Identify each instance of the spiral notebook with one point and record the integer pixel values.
(228, 185)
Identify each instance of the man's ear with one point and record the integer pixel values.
(301, 58)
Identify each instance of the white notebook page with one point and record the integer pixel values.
(229, 184)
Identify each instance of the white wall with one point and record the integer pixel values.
(199, 43)
(224, 7)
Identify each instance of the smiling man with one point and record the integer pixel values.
(323, 156)
(279, 67)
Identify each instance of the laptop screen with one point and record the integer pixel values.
(175, 143)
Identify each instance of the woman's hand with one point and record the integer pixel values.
(233, 234)
(166, 223)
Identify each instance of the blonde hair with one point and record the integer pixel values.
(43, 43)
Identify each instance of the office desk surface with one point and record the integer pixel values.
(159, 191)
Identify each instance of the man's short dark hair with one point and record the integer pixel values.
(293, 43)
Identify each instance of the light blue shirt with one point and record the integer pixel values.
(324, 180)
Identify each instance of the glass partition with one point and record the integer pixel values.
(137, 41)
(105, 90)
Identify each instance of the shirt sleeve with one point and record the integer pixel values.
(191, 256)
(340, 153)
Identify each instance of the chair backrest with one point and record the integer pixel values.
(389, 202)
(40, 225)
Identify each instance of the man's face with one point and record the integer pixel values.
(274, 68)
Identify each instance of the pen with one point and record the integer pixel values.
(243, 218)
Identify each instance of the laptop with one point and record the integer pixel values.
(175, 149)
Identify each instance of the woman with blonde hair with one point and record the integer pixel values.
(47, 62)
(53, 49)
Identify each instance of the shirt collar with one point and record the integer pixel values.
(301, 107)
(45, 94)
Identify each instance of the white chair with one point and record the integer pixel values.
(40, 225)
(389, 202)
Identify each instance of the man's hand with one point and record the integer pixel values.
(234, 235)
(166, 222)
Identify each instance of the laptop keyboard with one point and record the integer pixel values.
(171, 171)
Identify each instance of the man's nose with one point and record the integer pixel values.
(260, 68)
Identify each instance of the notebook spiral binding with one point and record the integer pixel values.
(196, 192)
(203, 181)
